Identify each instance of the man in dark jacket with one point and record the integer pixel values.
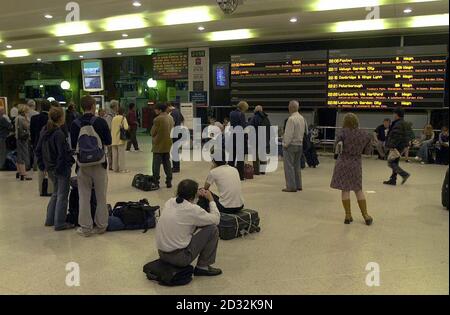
(37, 123)
(237, 119)
(133, 123)
(397, 139)
(178, 119)
(260, 119)
(5, 129)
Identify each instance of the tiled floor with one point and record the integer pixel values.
(303, 248)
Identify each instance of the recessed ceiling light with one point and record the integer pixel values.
(62, 41)
(407, 11)
(39, 59)
(8, 46)
(2, 62)
(119, 54)
(48, 16)
(201, 28)
(293, 20)
(137, 4)
(124, 35)
(81, 56)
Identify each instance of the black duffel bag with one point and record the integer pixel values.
(168, 275)
(135, 213)
(239, 224)
(144, 182)
(445, 191)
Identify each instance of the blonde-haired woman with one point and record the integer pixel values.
(22, 125)
(426, 141)
(119, 123)
(347, 174)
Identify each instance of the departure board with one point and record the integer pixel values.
(170, 65)
(411, 77)
(274, 79)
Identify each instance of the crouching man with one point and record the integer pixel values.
(185, 231)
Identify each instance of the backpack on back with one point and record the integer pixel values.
(89, 149)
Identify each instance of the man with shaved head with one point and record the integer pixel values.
(293, 148)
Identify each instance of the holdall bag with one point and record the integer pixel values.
(248, 171)
(244, 222)
(134, 214)
(144, 182)
(445, 191)
(168, 275)
(74, 203)
(124, 133)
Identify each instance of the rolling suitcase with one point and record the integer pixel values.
(445, 191)
(240, 224)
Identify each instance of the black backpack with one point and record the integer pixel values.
(168, 275)
(134, 213)
(144, 182)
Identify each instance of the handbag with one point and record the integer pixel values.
(124, 134)
(394, 154)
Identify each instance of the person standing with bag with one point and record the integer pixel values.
(90, 136)
(119, 135)
(351, 143)
(23, 143)
(398, 139)
(133, 122)
(55, 157)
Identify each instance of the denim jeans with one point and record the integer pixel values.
(57, 207)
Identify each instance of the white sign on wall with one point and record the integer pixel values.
(199, 73)
(187, 110)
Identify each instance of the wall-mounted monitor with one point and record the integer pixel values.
(92, 71)
(221, 76)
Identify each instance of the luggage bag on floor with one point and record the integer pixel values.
(74, 206)
(133, 216)
(445, 191)
(168, 275)
(144, 182)
(240, 224)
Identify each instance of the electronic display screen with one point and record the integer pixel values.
(370, 78)
(92, 83)
(411, 77)
(92, 67)
(221, 76)
(274, 79)
(92, 71)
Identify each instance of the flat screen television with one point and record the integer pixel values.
(221, 76)
(92, 71)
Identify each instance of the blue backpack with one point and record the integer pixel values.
(89, 149)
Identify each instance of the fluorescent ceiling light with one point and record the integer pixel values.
(87, 47)
(16, 53)
(407, 11)
(187, 16)
(72, 28)
(231, 35)
(326, 5)
(125, 22)
(429, 20)
(129, 43)
(358, 26)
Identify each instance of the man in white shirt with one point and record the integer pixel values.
(113, 108)
(293, 148)
(185, 231)
(228, 183)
